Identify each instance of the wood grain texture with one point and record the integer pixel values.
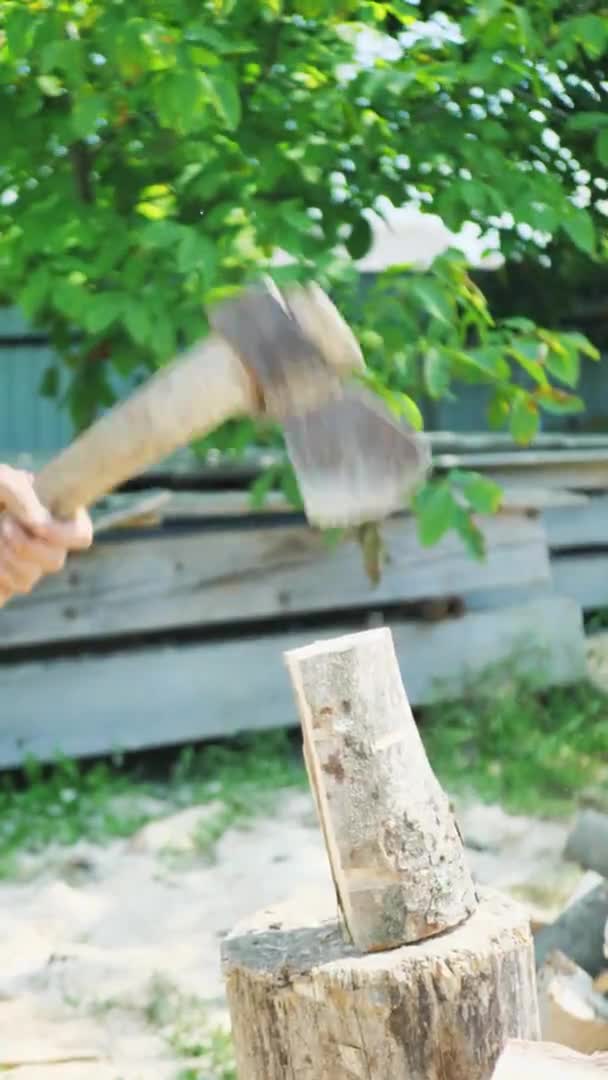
(162, 695)
(204, 577)
(585, 527)
(305, 1004)
(396, 853)
(584, 577)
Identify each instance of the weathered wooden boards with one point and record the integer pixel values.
(306, 1004)
(164, 694)
(208, 576)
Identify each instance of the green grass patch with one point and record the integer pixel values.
(533, 752)
(70, 801)
(184, 1022)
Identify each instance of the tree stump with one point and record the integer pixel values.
(395, 850)
(305, 1004)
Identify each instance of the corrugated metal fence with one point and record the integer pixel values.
(32, 423)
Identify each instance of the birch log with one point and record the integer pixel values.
(304, 1003)
(395, 850)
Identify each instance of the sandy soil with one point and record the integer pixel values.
(98, 941)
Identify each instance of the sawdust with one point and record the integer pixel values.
(87, 932)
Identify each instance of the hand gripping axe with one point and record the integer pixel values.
(281, 354)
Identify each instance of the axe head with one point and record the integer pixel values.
(354, 461)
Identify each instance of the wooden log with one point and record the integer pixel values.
(204, 577)
(306, 1004)
(578, 932)
(164, 694)
(572, 1012)
(587, 844)
(522, 1060)
(395, 850)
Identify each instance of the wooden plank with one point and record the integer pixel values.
(587, 527)
(165, 695)
(210, 576)
(119, 509)
(582, 577)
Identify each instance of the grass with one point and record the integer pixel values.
(70, 801)
(184, 1021)
(532, 752)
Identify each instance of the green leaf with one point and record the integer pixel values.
(587, 121)
(137, 321)
(262, 486)
(601, 146)
(482, 494)
(559, 402)
(489, 361)
(103, 310)
(86, 112)
(469, 532)
(437, 371)
(225, 97)
(433, 300)
(50, 86)
(524, 419)
(196, 252)
(435, 509)
(564, 365)
(360, 239)
(575, 340)
(581, 230)
(50, 382)
(19, 27)
(499, 410)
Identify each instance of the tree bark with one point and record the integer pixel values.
(395, 850)
(305, 1004)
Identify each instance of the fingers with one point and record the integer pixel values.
(18, 496)
(25, 559)
(73, 535)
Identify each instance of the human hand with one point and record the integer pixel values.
(32, 542)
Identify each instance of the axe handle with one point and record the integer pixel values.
(191, 396)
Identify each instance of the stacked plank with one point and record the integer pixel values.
(171, 628)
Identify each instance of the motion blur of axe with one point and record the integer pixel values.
(285, 355)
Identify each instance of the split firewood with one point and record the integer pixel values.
(587, 844)
(523, 1060)
(578, 932)
(572, 1012)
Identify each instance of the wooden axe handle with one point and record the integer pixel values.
(191, 396)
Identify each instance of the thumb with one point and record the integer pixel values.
(17, 495)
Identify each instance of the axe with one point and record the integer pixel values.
(285, 355)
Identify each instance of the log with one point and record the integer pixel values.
(587, 844)
(395, 850)
(304, 1003)
(572, 1012)
(523, 1060)
(578, 932)
(584, 577)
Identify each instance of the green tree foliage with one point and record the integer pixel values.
(156, 153)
